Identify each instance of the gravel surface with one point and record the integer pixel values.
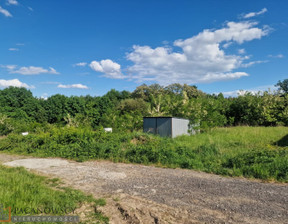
(142, 194)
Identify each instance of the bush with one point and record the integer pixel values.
(263, 164)
(204, 152)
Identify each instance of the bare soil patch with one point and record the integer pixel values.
(145, 194)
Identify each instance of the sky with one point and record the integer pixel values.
(89, 47)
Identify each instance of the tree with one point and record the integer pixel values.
(19, 103)
(174, 88)
(133, 106)
(56, 107)
(192, 91)
(283, 86)
(141, 92)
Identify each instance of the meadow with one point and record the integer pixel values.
(252, 152)
(30, 194)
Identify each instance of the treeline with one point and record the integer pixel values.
(124, 111)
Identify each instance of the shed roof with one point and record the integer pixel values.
(168, 117)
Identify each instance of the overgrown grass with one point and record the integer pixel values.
(29, 194)
(255, 152)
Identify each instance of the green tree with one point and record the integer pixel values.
(283, 86)
(19, 103)
(133, 106)
(56, 107)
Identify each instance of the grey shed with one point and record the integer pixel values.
(166, 126)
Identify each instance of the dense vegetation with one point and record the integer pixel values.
(123, 111)
(72, 127)
(29, 194)
(238, 151)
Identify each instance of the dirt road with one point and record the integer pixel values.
(141, 194)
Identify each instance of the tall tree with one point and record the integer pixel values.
(283, 86)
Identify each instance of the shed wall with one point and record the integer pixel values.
(149, 125)
(164, 126)
(179, 127)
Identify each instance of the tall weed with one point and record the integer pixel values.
(239, 151)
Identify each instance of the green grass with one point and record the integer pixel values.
(254, 152)
(238, 137)
(29, 194)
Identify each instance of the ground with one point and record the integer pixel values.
(146, 194)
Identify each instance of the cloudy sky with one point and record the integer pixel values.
(89, 47)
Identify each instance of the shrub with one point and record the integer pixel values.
(216, 152)
(263, 164)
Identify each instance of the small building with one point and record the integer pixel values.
(108, 129)
(166, 126)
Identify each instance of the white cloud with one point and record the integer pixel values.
(200, 60)
(5, 12)
(228, 44)
(31, 70)
(73, 86)
(109, 68)
(51, 83)
(44, 96)
(241, 51)
(234, 31)
(52, 71)
(13, 49)
(233, 93)
(254, 91)
(252, 63)
(9, 67)
(12, 2)
(81, 64)
(276, 56)
(13, 82)
(253, 14)
(165, 42)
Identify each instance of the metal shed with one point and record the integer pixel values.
(166, 126)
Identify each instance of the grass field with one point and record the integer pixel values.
(259, 152)
(254, 152)
(29, 194)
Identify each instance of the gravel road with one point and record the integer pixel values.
(145, 194)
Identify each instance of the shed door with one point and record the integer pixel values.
(149, 125)
(164, 127)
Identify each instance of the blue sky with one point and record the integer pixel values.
(89, 47)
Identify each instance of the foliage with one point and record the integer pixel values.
(240, 151)
(123, 111)
(283, 86)
(5, 125)
(261, 163)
